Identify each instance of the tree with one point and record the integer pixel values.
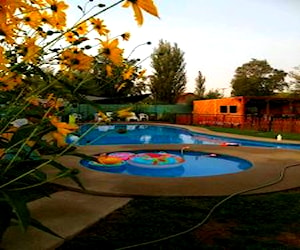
(257, 78)
(200, 88)
(169, 78)
(113, 81)
(295, 75)
(213, 94)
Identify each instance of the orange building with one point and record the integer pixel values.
(237, 111)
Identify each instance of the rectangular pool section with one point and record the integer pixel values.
(117, 134)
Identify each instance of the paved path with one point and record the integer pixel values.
(66, 213)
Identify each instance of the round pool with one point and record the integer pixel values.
(194, 164)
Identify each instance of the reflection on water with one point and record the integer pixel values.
(135, 134)
(174, 172)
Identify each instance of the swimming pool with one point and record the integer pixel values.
(117, 134)
(196, 164)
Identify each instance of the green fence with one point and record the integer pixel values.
(155, 111)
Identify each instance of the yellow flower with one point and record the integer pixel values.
(33, 19)
(46, 18)
(99, 26)
(58, 18)
(8, 134)
(125, 36)
(70, 37)
(9, 7)
(137, 5)
(57, 7)
(108, 70)
(123, 113)
(75, 59)
(122, 85)
(34, 100)
(111, 50)
(82, 29)
(63, 127)
(9, 81)
(128, 73)
(60, 139)
(8, 31)
(30, 50)
(3, 59)
(103, 116)
(54, 103)
(141, 74)
(2, 151)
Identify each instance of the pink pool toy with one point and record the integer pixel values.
(122, 155)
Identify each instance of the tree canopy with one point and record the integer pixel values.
(257, 78)
(169, 78)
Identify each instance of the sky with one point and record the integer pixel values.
(216, 36)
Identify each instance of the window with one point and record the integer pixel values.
(223, 109)
(233, 109)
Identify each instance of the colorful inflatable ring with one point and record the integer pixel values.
(117, 167)
(122, 155)
(109, 160)
(159, 160)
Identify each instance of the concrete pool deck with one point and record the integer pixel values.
(268, 165)
(69, 212)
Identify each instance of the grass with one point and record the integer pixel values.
(244, 222)
(268, 134)
(250, 222)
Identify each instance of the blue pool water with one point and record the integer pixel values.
(196, 164)
(156, 134)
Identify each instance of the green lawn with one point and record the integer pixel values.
(244, 222)
(269, 134)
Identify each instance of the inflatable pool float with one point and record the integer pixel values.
(232, 144)
(109, 160)
(105, 163)
(122, 155)
(159, 160)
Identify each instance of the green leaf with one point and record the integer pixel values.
(83, 156)
(5, 216)
(71, 174)
(21, 134)
(35, 223)
(18, 203)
